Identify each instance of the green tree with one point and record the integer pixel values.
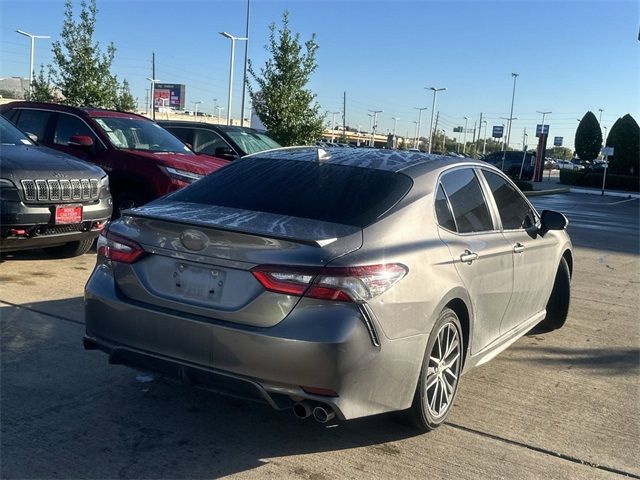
(625, 140)
(285, 106)
(560, 153)
(81, 71)
(588, 137)
(41, 89)
(125, 101)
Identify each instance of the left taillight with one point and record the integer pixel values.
(117, 248)
(344, 284)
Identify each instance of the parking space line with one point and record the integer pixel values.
(35, 310)
(622, 201)
(545, 451)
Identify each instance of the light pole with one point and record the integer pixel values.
(395, 123)
(543, 115)
(433, 108)
(246, 56)
(215, 106)
(33, 44)
(417, 141)
(195, 113)
(151, 98)
(333, 126)
(513, 96)
(416, 135)
(233, 52)
(604, 142)
(219, 110)
(375, 125)
(464, 136)
(484, 145)
(600, 117)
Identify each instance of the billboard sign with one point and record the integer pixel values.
(457, 129)
(557, 141)
(169, 95)
(539, 128)
(497, 131)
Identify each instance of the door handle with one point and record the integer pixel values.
(518, 248)
(468, 257)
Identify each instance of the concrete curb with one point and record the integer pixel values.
(608, 193)
(553, 191)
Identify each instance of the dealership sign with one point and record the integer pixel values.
(169, 95)
(497, 131)
(557, 141)
(539, 128)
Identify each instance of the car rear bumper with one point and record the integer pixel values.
(329, 348)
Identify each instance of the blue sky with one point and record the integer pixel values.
(572, 56)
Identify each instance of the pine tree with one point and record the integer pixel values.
(588, 137)
(625, 140)
(285, 106)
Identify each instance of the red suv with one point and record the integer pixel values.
(143, 160)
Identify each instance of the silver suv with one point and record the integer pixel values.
(339, 283)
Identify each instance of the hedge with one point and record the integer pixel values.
(594, 180)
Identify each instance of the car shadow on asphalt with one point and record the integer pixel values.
(67, 413)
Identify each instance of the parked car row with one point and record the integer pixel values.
(143, 161)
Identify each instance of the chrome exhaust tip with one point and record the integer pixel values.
(322, 414)
(302, 409)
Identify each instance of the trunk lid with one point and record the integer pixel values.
(199, 258)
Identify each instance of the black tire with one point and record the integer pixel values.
(71, 249)
(558, 304)
(421, 414)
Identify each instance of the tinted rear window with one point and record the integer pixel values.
(319, 191)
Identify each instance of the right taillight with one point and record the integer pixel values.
(345, 284)
(117, 248)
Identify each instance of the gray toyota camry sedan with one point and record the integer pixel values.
(338, 283)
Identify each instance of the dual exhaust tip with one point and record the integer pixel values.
(320, 413)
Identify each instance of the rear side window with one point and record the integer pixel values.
(68, 126)
(319, 191)
(467, 201)
(208, 142)
(184, 134)
(443, 212)
(34, 121)
(514, 210)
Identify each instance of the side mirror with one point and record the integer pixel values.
(226, 153)
(81, 141)
(551, 220)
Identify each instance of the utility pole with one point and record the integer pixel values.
(484, 146)
(435, 127)
(417, 141)
(153, 86)
(464, 136)
(375, 125)
(513, 96)
(246, 56)
(524, 139)
(479, 131)
(146, 104)
(444, 140)
(433, 107)
(344, 113)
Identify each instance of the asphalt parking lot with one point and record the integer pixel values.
(560, 405)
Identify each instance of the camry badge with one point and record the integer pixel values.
(194, 240)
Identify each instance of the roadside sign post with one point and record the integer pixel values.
(606, 151)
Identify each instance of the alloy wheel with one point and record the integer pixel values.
(443, 370)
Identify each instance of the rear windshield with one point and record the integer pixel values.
(327, 192)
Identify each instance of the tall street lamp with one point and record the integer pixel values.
(484, 145)
(375, 125)
(417, 140)
(246, 56)
(233, 52)
(215, 106)
(395, 123)
(600, 116)
(513, 96)
(464, 135)
(195, 113)
(219, 110)
(333, 126)
(151, 98)
(433, 109)
(33, 44)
